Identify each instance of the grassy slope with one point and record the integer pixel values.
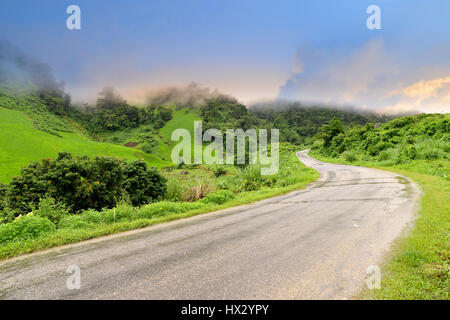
(21, 143)
(181, 119)
(418, 265)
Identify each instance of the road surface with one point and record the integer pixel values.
(315, 243)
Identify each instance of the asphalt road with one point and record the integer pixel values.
(316, 243)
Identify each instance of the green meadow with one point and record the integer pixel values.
(21, 143)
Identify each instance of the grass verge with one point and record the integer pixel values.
(64, 236)
(418, 265)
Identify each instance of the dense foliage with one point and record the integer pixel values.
(223, 113)
(27, 227)
(83, 183)
(112, 112)
(420, 137)
(298, 123)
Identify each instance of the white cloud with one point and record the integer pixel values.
(370, 76)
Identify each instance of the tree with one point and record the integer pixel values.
(143, 184)
(83, 183)
(331, 130)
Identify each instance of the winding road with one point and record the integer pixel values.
(315, 243)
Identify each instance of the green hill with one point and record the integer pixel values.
(155, 141)
(21, 141)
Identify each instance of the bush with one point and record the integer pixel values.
(218, 197)
(251, 178)
(147, 148)
(81, 183)
(388, 154)
(349, 156)
(219, 171)
(270, 181)
(407, 153)
(431, 154)
(432, 149)
(26, 227)
(174, 190)
(198, 191)
(143, 184)
(223, 185)
(50, 209)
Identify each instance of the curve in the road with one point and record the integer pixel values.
(315, 243)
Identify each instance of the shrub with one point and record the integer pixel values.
(349, 156)
(432, 154)
(147, 148)
(81, 183)
(250, 178)
(388, 154)
(223, 185)
(432, 149)
(218, 197)
(270, 181)
(50, 209)
(219, 171)
(407, 153)
(175, 190)
(143, 184)
(197, 191)
(26, 227)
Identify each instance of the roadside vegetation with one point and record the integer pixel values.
(418, 147)
(71, 173)
(186, 191)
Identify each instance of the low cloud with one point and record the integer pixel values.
(18, 68)
(369, 77)
(192, 94)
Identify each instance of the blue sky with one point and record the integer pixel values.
(306, 50)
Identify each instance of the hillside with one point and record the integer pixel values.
(37, 126)
(29, 132)
(422, 141)
(155, 141)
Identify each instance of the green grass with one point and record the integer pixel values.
(168, 212)
(418, 265)
(181, 119)
(21, 143)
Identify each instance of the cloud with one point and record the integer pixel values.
(370, 76)
(427, 89)
(19, 68)
(192, 94)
